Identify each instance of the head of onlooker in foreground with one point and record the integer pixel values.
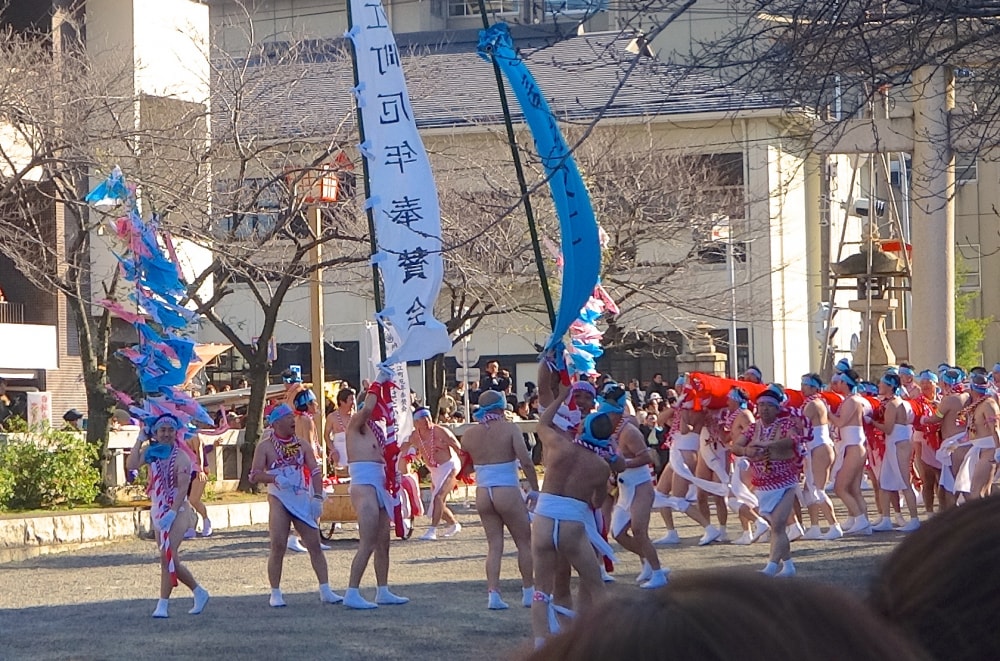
(768, 620)
(941, 585)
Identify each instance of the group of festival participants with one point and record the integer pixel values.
(767, 457)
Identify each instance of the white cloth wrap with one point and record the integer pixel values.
(340, 445)
(742, 493)
(297, 498)
(963, 478)
(562, 508)
(439, 474)
(768, 499)
(714, 456)
(890, 477)
(927, 454)
(689, 441)
(497, 475)
(681, 469)
(851, 435)
(820, 436)
(943, 455)
(628, 480)
(372, 474)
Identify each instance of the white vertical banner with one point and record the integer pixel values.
(403, 197)
(40, 409)
(401, 395)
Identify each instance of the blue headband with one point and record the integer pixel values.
(952, 376)
(928, 375)
(756, 372)
(996, 367)
(605, 405)
(420, 414)
(163, 421)
(279, 412)
(896, 389)
(303, 398)
(770, 397)
(843, 365)
(480, 413)
(737, 396)
(982, 389)
(812, 381)
(906, 371)
(586, 434)
(851, 383)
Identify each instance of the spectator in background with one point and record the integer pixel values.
(636, 394)
(73, 420)
(210, 389)
(492, 379)
(657, 386)
(242, 383)
(474, 392)
(446, 406)
(5, 411)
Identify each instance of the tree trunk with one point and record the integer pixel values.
(254, 422)
(435, 383)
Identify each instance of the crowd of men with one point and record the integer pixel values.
(614, 454)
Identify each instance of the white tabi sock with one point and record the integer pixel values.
(353, 599)
(526, 596)
(645, 574)
(657, 579)
(277, 599)
(496, 603)
(386, 598)
(787, 568)
(770, 569)
(161, 608)
(328, 596)
(200, 599)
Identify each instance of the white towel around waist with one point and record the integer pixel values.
(562, 508)
(296, 499)
(372, 474)
(497, 475)
(628, 480)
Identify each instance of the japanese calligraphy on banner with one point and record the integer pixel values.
(403, 197)
(400, 394)
(581, 250)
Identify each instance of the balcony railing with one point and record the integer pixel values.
(11, 313)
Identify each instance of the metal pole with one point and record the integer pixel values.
(373, 245)
(521, 182)
(465, 357)
(316, 332)
(731, 267)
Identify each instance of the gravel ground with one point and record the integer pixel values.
(95, 603)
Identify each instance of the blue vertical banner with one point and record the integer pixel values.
(580, 245)
(403, 196)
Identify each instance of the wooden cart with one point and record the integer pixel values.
(337, 508)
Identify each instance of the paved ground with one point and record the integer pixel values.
(95, 603)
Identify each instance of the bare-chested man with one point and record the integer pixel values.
(305, 430)
(735, 422)
(975, 475)
(630, 519)
(438, 448)
(849, 464)
(772, 446)
(819, 461)
(927, 440)
(280, 461)
(497, 447)
(675, 482)
(894, 477)
(953, 414)
(336, 428)
(370, 497)
(576, 475)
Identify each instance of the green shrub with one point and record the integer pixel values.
(49, 469)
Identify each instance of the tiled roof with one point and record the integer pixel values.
(451, 86)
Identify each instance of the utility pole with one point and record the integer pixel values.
(317, 340)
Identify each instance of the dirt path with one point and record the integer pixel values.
(95, 603)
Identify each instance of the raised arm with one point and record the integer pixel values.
(360, 419)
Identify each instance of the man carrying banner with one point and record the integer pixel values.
(576, 475)
(370, 497)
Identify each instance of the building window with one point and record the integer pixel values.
(970, 261)
(471, 7)
(575, 6)
(965, 167)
